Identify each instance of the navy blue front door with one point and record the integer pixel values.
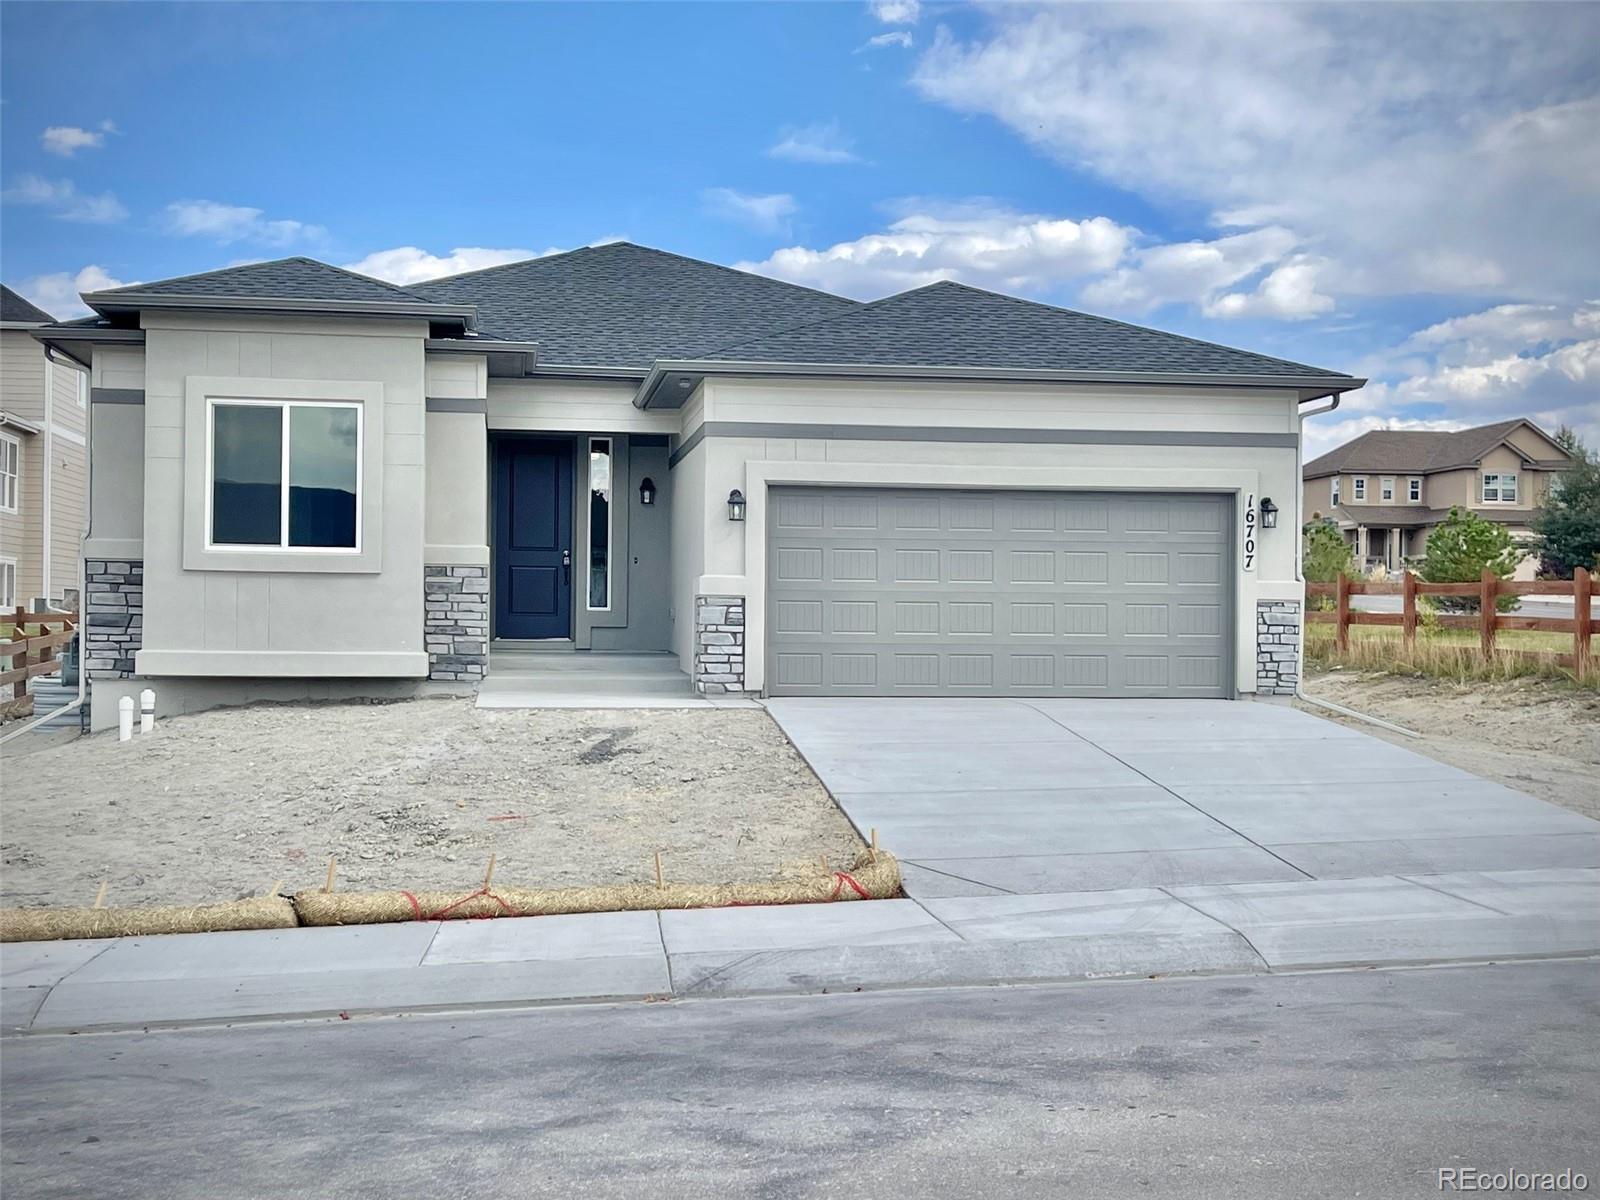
(533, 538)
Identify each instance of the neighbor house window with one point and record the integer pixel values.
(1386, 488)
(284, 475)
(600, 478)
(1414, 490)
(83, 389)
(1335, 492)
(8, 583)
(1361, 487)
(10, 472)
(1500, 489)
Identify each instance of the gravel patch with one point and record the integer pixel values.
(411, 795)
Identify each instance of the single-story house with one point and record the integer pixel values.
(308, 482)
(1388, 489)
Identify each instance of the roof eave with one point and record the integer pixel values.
(1308, 388)
(107, 303)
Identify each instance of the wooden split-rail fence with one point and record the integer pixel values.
(1487, 620)
(24, 656)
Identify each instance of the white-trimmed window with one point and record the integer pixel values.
(1386, 488)
(1333, 494)
(283, 475)
(8, 583)
(83, 388)
(1499, 489)
(1414, 489)
(602, 465)
(1360, 484)
(10, 473)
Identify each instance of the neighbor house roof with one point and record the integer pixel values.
(625, 306)
(14, 310)
(1415, 516)
(953, 325)
(1418, 451)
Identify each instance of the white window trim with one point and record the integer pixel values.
(1386, 487)
(376, 452)
(15, 478)
(1500, 480)
(1414, 489)
(1359, 488)
(1333, 492)
(286, 407)
(8, 581)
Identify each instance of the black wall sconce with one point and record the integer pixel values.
(1269, 513)
(647, 491)
(736, 505)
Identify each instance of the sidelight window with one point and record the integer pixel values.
(600, 494)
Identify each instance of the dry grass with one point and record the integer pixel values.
(1449, 654)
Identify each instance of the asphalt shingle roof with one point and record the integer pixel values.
(1416, 450)
(1415, 515)
(14, 308)
(282, 279)
(622, 305)
(954, 325)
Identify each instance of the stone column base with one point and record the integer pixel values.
(719, 645)
(455, 622)
(1277, 647)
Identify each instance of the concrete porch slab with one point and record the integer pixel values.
(521, 678)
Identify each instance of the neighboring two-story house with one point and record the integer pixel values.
(43, 460)
(1387, 489)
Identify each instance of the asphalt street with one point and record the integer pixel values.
(1360, 1083)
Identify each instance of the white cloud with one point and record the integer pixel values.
(1189, 272)
(768, 213)
(411, 264)
(67, 140)
(228, 223)
(62, 198)
(1419, 149)
(1514, 360)
(823, 144)
(978, 244)
(1288, 293)
(57, 294)
(899, 37)
(896, 12)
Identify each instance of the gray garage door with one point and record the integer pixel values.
(920, 592)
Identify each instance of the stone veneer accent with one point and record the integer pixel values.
(113, 617)
(455, 622)
(719, 644)
(1277, 647)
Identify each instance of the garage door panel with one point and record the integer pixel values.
(886, 592)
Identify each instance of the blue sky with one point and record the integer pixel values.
(1394, 190)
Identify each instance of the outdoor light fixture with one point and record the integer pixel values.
(647, 491)
(1269, 513)
(736, 505)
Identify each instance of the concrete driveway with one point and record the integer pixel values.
(979, 797)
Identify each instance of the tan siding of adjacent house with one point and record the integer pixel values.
(22, 534)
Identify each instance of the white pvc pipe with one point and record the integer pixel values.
(125, 719)
(147, 710)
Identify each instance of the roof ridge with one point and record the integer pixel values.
(135, 288)
(861, 307)
(1096, 317)
(516, 262)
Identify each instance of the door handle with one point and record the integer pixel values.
(566, 566)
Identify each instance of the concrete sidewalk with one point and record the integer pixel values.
(51, 987)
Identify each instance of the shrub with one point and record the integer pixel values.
(1325, 554)
(1459, 550)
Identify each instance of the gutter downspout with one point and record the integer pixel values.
(44, 478)
(83, 577)
(1299, 574)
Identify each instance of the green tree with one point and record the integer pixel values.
(1324, 554)
(1568, 523)
(1458, 551)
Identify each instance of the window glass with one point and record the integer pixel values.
(599, 523)
(1335, 489)
(10, 472)
(322, 475)
(8, 583)
(1361, 489)
(246, 474)
(1388, 487)
(1415, 492)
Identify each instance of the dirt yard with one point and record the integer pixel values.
(1534, 735)
(411, 795)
